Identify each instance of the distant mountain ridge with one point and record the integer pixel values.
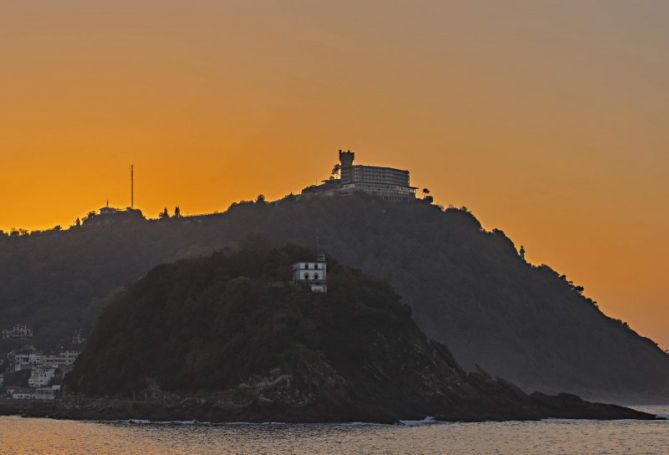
(467, 287)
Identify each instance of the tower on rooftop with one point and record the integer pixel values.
(346, 165)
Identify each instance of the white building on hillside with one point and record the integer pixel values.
(40, 377)
(22, 361)
(63, 360)
(27, 359)
(313, 274)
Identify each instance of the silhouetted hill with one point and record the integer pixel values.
(230, 337)
(467, 287)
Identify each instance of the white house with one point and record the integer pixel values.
(313, 274)
(40, 377)
(21, 361)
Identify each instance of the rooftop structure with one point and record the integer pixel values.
(385, 182)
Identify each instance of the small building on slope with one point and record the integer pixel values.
(312, 274)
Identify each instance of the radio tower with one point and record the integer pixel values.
(132, 186)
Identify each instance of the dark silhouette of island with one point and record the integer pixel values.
(467, 287)
(236, 337)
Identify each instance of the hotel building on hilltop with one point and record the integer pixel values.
(385, 182)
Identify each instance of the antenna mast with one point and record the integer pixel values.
(132, 186)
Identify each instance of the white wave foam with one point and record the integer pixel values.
(426, 421)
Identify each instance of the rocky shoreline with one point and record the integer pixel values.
(540, 406)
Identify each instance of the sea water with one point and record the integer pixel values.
(568, 437)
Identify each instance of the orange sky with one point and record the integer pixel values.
(548, 119)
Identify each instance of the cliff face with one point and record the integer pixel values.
(467, 288)
(230, 337)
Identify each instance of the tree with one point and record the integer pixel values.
(336, 170)
(260, 199)
(426, 196)
(89, 216)
(164, 214)
(177, 212)
(77, 223)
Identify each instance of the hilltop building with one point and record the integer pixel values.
(312, 274)
(386, 182)
(108, 215)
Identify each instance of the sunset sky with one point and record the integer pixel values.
(548, 119)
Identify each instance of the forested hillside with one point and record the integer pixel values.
(467, 287)
(229, 336)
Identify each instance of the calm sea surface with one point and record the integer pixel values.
(45, 436)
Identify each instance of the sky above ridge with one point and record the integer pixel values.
(548, 119)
